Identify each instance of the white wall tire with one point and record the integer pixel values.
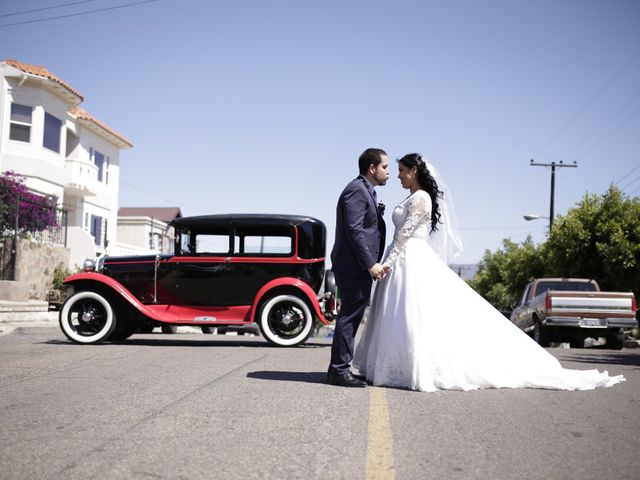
(87, 317)
(285, 320)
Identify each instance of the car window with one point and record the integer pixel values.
(207, 243)
(264, 245)
(268, 240)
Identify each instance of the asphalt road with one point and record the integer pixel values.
(198, 406)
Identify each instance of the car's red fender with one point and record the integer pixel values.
(288, 282)
(168, 315)
(95, 277)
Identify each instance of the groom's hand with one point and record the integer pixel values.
(377, 271)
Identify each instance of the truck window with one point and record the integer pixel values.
(525, 295)
(565, 286)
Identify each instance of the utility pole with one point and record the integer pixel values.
(553, 166)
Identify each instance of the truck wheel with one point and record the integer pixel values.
(541, 334)
(87, 317)
(208, 330)
(577, 342)
(285, 320)
(616, 341)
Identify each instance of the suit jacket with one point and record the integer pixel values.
(360, 232)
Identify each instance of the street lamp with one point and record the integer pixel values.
(532, 216)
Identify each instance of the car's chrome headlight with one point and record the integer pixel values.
(89, 265)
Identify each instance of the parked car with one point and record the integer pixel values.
(573, 309)
(226, 271)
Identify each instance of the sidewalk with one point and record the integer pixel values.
(32, 313)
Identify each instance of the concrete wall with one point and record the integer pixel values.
(35, 264)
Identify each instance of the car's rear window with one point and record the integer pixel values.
(565, 286)
(259, 240)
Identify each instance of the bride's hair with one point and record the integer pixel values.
(427, 183)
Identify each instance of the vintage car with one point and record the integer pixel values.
(226, 270)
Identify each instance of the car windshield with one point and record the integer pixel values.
(565, 286)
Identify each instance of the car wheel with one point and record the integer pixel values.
(615, 342)
(146, 327)
(285, 320)
(123, 331)
(541, 334)
(208, 330)
(169, 328)
(87, 317)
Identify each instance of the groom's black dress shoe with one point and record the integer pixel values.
(345, 380)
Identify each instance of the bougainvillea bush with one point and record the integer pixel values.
(34, 212)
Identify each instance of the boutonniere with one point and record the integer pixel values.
(381, 208)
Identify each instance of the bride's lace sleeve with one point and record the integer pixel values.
(418, 210)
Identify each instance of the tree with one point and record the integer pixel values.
(504, 273)
(35, 212)
(599, 239)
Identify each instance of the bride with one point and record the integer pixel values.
(428, 330)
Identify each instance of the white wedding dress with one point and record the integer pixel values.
(428, 330)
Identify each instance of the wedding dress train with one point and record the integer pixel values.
(428, 330)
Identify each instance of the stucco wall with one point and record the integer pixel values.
(35, 264)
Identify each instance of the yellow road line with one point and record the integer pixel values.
(380, 463)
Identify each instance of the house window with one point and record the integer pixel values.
(99, 160)
(96, 229)
(52, 130)
(20, 123)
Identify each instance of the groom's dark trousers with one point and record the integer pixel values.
(360, 236)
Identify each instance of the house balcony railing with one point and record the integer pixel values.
(81, 178)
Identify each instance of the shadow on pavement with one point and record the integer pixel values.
(282, 376)
(610, 358)
(189, 342)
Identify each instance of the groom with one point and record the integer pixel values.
(358, 248)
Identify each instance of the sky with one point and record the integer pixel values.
(263, 106)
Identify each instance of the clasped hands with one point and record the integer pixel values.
(378, 271)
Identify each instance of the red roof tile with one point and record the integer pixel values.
(84, 115)
(41, 71)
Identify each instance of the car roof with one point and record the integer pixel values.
(260, 218)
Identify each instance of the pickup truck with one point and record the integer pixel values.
(573, 309)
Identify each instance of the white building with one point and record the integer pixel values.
(63, 151)
(146, 229)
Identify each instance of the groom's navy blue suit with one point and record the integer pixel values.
(359, 244)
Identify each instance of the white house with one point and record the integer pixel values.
(63, 151)
(146, 229)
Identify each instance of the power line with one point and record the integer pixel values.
(597, 141)
(630, 183)
(46, 19)
(633, 170)
(164, 199)
(23, 12)
(519, 237)
(634, 191)
(598, 93)
(501, 228)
